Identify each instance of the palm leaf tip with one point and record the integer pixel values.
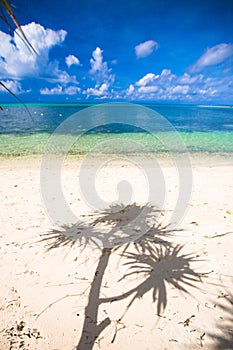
(16, 97)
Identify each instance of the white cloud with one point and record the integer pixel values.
(97, 64)
(14, 86)
(146, 48)
(99, 68)
(213, 56)
(180, 89)
(40, 38)
(101, 74)
(130, 90)
(97, 90)
(148, 78)
(17, 62)
(71, 59)
(147, 89)
(187, 79)
(60, 90)
(207, 92)
(166, 75)
(61, 77)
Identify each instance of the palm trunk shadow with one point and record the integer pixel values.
(91, 329)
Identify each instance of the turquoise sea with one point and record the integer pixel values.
(203, 129)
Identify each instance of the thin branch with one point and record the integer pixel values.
(56, 301)
(221, 235)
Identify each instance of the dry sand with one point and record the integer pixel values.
(172, 290)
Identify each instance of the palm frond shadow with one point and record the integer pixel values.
(161, 265)
(136, 233)
(224, 340)
(118, 214)
(113, 227)
(69, 235)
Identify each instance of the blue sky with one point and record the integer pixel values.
(158, 51)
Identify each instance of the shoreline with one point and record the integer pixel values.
(196, 158)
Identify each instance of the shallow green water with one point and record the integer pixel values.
(127, 143)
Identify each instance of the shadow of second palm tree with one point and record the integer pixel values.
(224, 338)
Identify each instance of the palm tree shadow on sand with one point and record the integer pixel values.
(118, 229)
(224, 338)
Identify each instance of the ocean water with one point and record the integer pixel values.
(202, 129)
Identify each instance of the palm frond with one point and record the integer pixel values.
(6, 6)
(16, 97)
(10, 12)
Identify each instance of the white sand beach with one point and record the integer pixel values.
(169, 290)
